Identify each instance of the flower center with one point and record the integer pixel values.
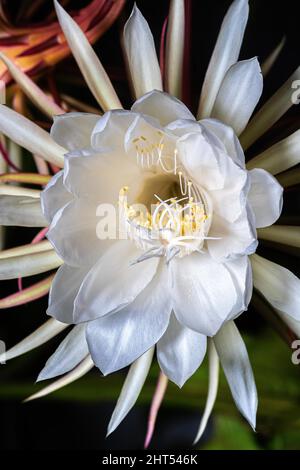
(174, 226)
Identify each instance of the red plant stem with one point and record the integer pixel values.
(6, 157)
(186, 79)
(162, 50)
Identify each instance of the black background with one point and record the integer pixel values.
(71, 425)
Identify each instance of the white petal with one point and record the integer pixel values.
(213, 382)
(202, 160)
(284, 234)
(280, 157)
(203, 292)
(41, 335)
(228, 138)
(180, 352)
(175, 47)
(83, 368)
(111, 128)
(99, 175)
(73, 130)
(71, 351)
(165, 108)
(116, 340)
(239, 94)
(141, 55)
(225, 54)
(22, 211)
(73, 233)
(30, 136)
(278, 285)
(88, 62)
(270, 112)
(131, 389)
(241, 272)
(54, 196)
(28, 265)
(265, 197)
(64, 289)
(232, 238)
(113, 282)
(237, 368)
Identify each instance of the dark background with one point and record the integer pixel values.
(77, 418)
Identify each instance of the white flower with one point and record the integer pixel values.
(183, 273)
(177, 278)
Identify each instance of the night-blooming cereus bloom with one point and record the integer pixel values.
(183, 270)
(176, 269)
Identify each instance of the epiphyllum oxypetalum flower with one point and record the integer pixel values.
(189, 282)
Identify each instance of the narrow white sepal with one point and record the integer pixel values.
(213, 378)
(131, 389)
(234, 359)
(141, 55)
(278, 285)
(41, 335)
(83, 368)
(271, 111)
(175, 47)
(225, 54)
(29, 264)
(31, 90)
(284, 234)
(88, 62)
(26, 249)
(21, 211)
(280, 157)
(272, 57)
(71, 351)
(30, 136)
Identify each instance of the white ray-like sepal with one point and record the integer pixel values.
(31, 90)
(239, 94)
(88, 62)
(175, 47)
(284, 234)
(21, 210)
(141, 55)
(71, 351)
(131, 389)
(271, 111)
(280, 157)
(272, 57)
(30, 136)
(225, 54)
(28, 265)
(234, 359)
(26, 249)
(213, 382)
(83, 368)
(41, 335)
(278, 285)
(8, 190)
